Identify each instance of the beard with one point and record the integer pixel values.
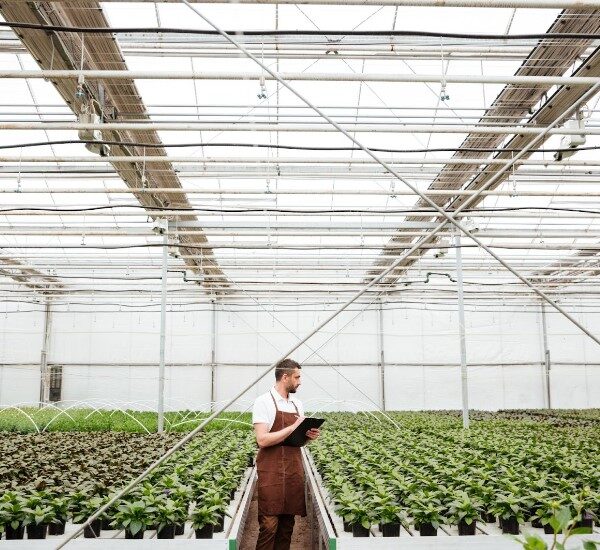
(292, 389)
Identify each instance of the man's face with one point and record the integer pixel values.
(292, 381)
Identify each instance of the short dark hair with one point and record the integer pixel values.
(285, 366)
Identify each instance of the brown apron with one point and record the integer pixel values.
(280, 473)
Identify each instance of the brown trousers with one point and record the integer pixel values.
(275, 532)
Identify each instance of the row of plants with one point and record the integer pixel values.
(556, 417)
(55, 419)
(424, 470)
(47, 480)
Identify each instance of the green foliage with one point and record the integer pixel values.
(49, 419)
(564, 520)
(464, 508)
(511, 464)
(38, 515)
(204, 514)
(12, 505)
(169, 512)
(134, 516)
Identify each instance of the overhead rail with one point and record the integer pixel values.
(266, 127)
(50, 74)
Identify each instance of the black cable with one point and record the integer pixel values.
(292, 147)
(523, 246)
(262, 210)
(325, 33)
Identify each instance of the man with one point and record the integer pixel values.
(275, 415)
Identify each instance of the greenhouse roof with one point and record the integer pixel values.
(259, 194)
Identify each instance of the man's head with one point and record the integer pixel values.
(287, 373)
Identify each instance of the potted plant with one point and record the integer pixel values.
(12, 515)
(427, 516)
(37, 519)
(544, 513)
(169, 514)
(204, 517)
(86, 509)
(60, 504)
(509, 508)
(134, 517)
(345, 500)
(389, 514)
(77, 499)
(391, 518)
(465, 512)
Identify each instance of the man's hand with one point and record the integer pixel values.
(313, 433)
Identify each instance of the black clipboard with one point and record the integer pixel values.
(298, 437)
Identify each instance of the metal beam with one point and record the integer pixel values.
(380, 341)
(44, 372)
(163, 326)
(213, 356)
(464, 381)
(547, 362)
(275, 162)
(127, 74)
(266, 127)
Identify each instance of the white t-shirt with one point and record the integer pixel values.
(263, 411)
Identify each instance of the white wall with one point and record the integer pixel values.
(110, 357)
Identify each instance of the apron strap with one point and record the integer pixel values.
(274, 402)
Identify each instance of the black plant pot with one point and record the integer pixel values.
(390, 529)
(106, 526)
(167, 532)
(587, 522)
(92, 531)
(37, 531)
(510, 526)
(179, 529)
(205, 533)
(427, 530)
(548, 529)
(465, 529)
(218, 528)
(15, 534)
(56, 528)
(138, 535)
(347, 527)
(537, 523)
(359, 531)
(488, 517)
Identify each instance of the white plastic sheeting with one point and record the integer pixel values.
(110, 358)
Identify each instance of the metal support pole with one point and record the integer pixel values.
(461, 330)
(163, 324)
(44, 375)
(547, 364)
(213, 355)
(381, 356)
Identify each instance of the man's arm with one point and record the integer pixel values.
(265, 438)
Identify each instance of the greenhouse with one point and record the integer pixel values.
(300, 275)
